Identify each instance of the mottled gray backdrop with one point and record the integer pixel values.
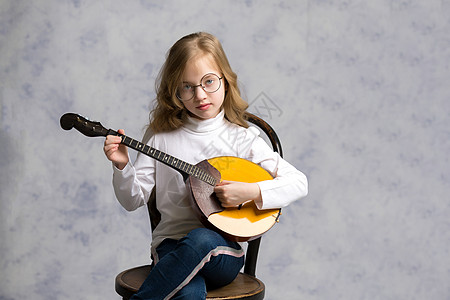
(358, 91)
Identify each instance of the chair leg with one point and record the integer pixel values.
(252, 256)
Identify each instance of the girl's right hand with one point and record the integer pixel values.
(115, 151)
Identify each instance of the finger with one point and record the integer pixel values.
(227, 204)
(219, 190)
(112, 139)
(110, 147)
(110, 152)
(225, 182)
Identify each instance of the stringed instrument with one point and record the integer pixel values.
(240, 224)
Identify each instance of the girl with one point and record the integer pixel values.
(199, 114)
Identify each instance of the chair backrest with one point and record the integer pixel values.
(253, 245)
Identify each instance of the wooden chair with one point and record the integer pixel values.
(245, 286)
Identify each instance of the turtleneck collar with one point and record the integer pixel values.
(204, 126)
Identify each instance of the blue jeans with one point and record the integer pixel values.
(203, 258)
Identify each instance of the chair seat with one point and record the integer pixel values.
(243, 287)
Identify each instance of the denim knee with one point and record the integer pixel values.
(195, 290)
(202, 239)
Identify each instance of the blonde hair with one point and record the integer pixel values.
(169, 113)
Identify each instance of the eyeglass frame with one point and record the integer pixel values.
(194, 87)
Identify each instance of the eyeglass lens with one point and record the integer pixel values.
(210, 83)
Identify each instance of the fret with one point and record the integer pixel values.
(171, 161)
(133, 141)
(145, 149)
(130, 140)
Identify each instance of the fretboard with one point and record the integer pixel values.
(181, 166)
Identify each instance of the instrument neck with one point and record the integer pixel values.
(186, 169)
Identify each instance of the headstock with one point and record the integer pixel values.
(83, 125)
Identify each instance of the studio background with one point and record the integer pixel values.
(358, 92)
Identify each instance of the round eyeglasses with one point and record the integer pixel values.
(210, 83)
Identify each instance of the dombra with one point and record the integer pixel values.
(240, 224)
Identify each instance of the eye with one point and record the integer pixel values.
(186, 87)
(209, 81)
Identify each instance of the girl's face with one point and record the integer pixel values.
(203, 105)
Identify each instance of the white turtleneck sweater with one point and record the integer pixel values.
(195, 141)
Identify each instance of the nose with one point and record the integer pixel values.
(199, 92)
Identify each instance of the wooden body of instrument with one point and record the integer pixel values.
(240, 224)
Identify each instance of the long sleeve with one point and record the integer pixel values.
(134, 183)
(288, 185)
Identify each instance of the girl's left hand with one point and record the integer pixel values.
(234, 193)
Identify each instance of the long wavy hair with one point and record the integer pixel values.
(169, 113)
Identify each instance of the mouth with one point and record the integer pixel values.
(203, 106)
